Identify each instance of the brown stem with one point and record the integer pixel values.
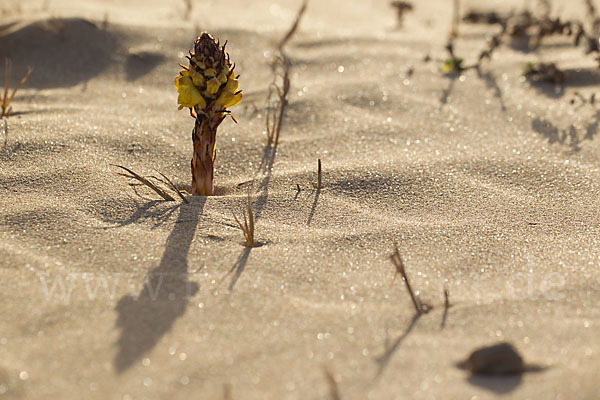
(204, 137)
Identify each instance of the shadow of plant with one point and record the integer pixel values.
(145, 318)
(446, 93)
(490, 82)
(571, 137)
(149, 210)
(385, 358)
(62, 52)
(501, 384)
(142, 63)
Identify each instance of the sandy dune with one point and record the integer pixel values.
(489, 186)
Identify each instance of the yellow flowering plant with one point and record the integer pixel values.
(208, 87)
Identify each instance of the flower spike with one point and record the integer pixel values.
(207, 87)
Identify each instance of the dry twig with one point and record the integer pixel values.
(172, 186)
(294, 27)
(144, 181)
(5, 132)
(6, 99)
(319, 175)
(420, 307)
(248, 226)
(277, 99)
(278, 91)
(447, 306)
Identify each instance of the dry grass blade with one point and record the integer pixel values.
(5, 131)
(319, 175)
(6, 99)
(251, 218)
(248, 226)
(21, 83)
(5, 104)
(277, 99)
(272, 121)
(144, 181)
(174, 188)
(400, 270)
(294, 27)
(447, 306)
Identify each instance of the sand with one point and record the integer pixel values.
(488, 185)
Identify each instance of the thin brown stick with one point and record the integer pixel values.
(7, 68)
(21, 83)
(6, 99)
(276, 108)
(174, 188)
(144, 181)
(5, 131)
(294, 27)
(248, 226)
(447, 306)
(251, 219)
(319, 175)
(446, 298)
(281, 69)
(400, 270)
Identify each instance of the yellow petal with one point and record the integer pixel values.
(225, 97)
(197, 98)
(212, 86)
(197, 78)
(228, 99)
(232, 84)
(236, 100)
(189, 96)
(181, 81)
(222, 77)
